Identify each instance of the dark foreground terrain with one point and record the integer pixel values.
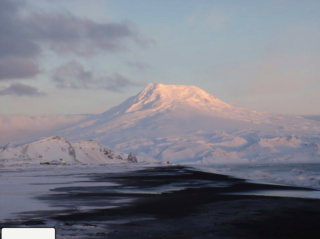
(174, 202)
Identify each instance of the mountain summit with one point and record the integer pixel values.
(184, 123)
(159, 97)
(185, 99)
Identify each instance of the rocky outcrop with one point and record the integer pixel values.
(132, 158)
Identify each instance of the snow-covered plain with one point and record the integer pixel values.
(291, 174)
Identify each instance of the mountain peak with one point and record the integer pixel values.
(186, 124)
(172, 91)
(160, 97)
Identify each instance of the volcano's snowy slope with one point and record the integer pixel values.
(185, 124)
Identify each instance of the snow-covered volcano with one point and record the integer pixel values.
(184, 123)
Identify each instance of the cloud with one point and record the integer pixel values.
(21, 90)
(83, 37)
(73, 75)
(14, 36)
(118, 83)
(139, 66)
(18, 67)
(17, 49)
(19, 128)
(24, 34)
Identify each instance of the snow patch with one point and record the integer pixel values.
(57, 150)
(289, 141)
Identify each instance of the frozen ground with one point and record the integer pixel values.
(121, 201)
(21, 185)
(291, 174)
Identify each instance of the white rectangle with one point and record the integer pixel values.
(28, 233)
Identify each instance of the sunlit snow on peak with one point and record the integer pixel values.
(160, 97)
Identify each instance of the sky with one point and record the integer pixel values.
(81, 57)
